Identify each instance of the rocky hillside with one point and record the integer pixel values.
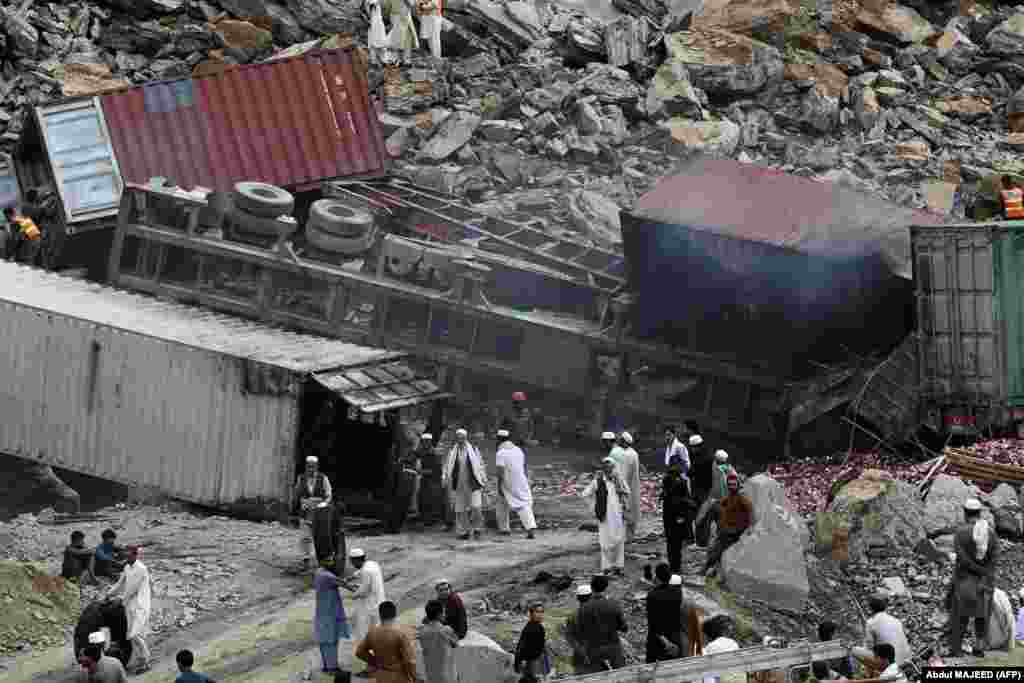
(918, 103)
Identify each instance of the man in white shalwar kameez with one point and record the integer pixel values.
(630, 470)
(134, 590)
(611, 501)
(464, 476)
(366, 596)
(513, 486)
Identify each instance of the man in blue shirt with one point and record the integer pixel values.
(186, 660)
(108, 554)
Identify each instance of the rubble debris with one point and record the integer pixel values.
(35, 607)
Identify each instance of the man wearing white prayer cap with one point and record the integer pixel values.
(571, 632)
(676, 580)
(611, 500)
(513, 486)
(366, 596)
(464, 476)
(630, 470)
(311, 489)
(615, 451)
(977, 548)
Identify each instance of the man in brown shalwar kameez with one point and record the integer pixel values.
(977, 547)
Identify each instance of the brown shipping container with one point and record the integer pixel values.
(202, 406)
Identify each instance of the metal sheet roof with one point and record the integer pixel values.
(177, 323)
(291, 122)
(381, 387)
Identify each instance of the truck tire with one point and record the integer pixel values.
(339, 219)
(262, 199)
(348, 246)
(258, 225)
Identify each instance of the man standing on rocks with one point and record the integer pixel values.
(977, 547)
(664, 618)
(513, 486)
(599, 623)
(611, 498)
(367, 595)
(736, 514)
(675, 509)
(631, 475)
(133, 588)
(465, 476)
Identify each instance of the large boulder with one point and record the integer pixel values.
(478, 659)
(596, 216)
(725, 64)
(767, 563)
(944, 506)
(1006, 510)
(896, 22)
(877, 512)
(456, 131)
(1007, 38)
(744, 16)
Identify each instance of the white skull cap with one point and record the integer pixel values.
(357, 553)
(97, 638)
(696, 440)
(627, 437)
(442, 582)
(461, 432)
(609, 459)
(676, 580)
(312, 458)
(427, 435)
(583, 589)
(972, 504)
(502, 432)
(721, 456)
(608, 436)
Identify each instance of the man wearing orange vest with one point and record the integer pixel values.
(1013, 199)
(27, 237)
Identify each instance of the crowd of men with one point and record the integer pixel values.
(695, 487)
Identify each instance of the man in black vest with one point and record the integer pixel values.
(312, 488)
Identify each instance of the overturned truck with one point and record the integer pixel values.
(204, 407)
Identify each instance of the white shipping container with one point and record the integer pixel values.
(202, 406)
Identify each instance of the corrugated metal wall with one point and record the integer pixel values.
(290, 123)
(142, 410)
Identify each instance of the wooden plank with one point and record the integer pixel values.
(693, 668)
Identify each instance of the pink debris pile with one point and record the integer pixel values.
(808, 483)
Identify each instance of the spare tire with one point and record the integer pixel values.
(262, 199)
(260, 225)
(340, 219)
(348, 246)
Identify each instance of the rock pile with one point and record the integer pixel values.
(918, 105)
(35, 608)
(876, 512)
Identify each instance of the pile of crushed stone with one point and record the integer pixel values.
(36, 609)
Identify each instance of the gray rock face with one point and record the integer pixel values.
(147, 8)
(146, 38)
(244, 8)
(877, 512)
(457, 130)
(496, 130)
(286, 28)
(717, 139)
(722, 63)
(22, 37)
(819, 111)
(596, 216)
(944, 507)
(329, 16)
(1007, 38)
(768, 563)
(671, 94)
